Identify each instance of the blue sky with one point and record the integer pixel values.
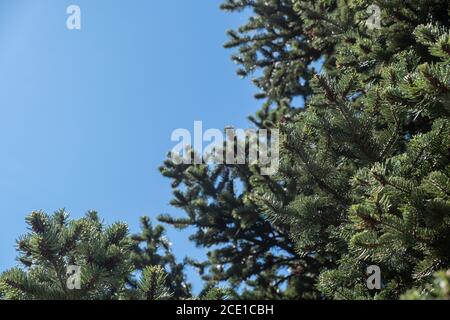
(86, 115)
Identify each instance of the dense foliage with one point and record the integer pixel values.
(364, 176)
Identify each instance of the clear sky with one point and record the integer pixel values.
(86, 116)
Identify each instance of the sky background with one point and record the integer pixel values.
(86, 115)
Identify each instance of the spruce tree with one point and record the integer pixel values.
(364, 174)
(243, 247)
(54, 243)
(371, 150)
(105, 256)
(246, 248)
(150, 247)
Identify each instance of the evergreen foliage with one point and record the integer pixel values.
(54, 243)
(151, 248)
(113, 265)
(439, 289)
(364, 173)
